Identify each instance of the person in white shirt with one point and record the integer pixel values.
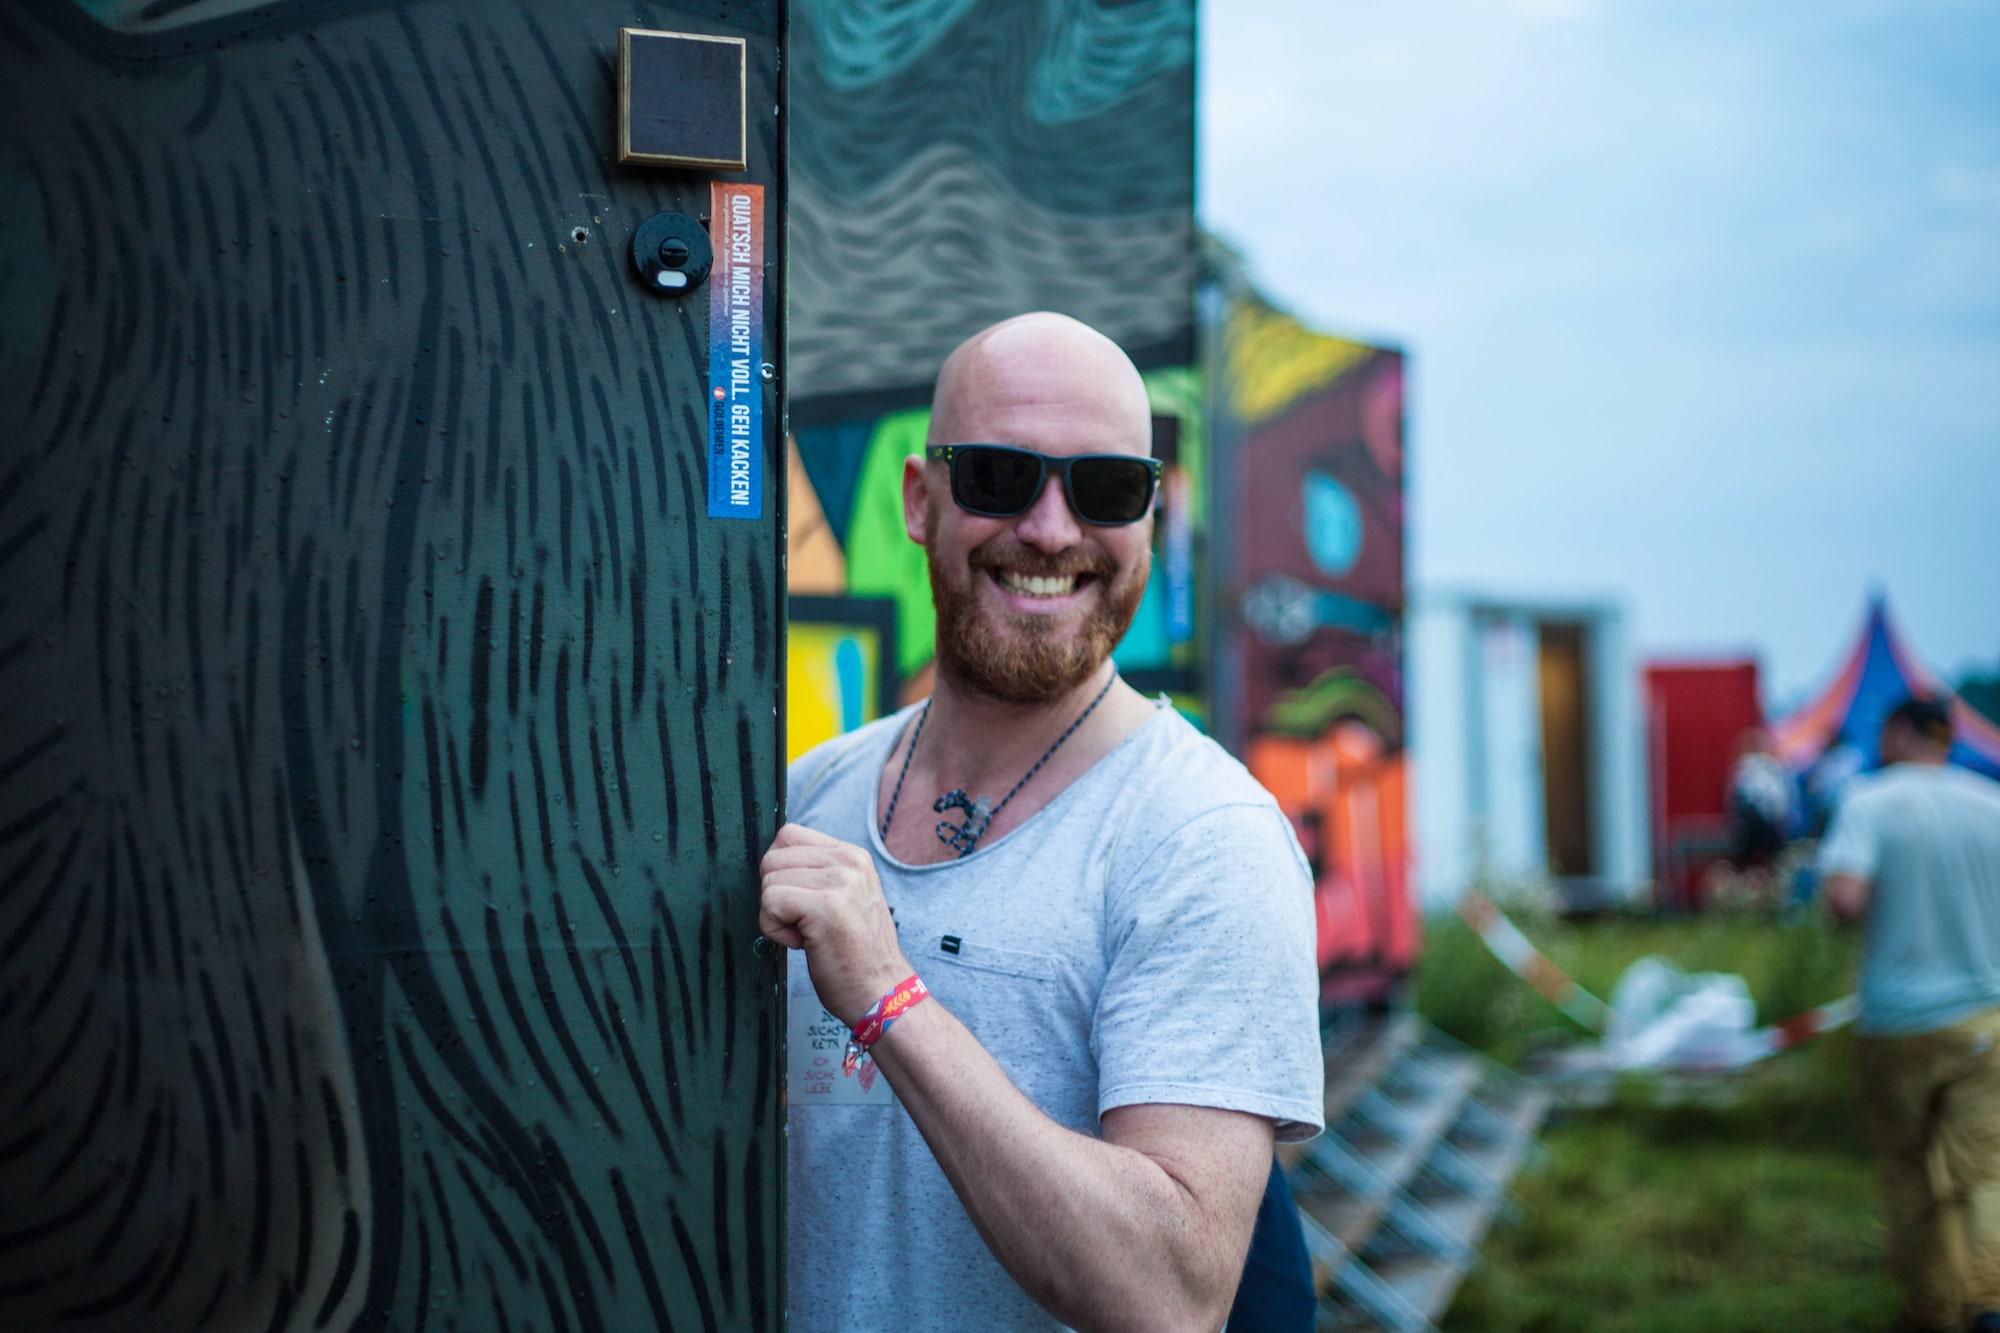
(1913, 854)
(1760, 803)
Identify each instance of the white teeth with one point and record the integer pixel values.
(1034, 586)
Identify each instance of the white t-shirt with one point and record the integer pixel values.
(1762, 783)
(1147, 937)
(1928, 840)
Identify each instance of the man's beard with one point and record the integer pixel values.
(1036, 663)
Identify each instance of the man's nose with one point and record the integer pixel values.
(1049, 524)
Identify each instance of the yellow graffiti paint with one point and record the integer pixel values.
(1273, 361)
(814, 562)
(830, 683)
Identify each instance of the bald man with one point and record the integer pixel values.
(1059, 992)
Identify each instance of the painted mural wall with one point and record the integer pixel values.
(840, 667)
(1307, 524)
(954, 164)
(387, 736)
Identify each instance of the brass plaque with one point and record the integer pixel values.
(681, 100)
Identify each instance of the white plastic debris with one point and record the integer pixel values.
(1664, 1018)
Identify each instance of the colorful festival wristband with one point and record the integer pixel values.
(909, 993)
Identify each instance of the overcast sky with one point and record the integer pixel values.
(1702, 296)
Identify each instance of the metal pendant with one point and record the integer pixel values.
(962, 838)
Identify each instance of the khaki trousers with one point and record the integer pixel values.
(1931, 1104)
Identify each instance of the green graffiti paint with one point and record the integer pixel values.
(882, 561)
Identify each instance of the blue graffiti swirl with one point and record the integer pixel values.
(1095, 56)
(865, 41)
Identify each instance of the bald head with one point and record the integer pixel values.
(1041, 376)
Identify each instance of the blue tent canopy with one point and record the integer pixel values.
(1878, 673)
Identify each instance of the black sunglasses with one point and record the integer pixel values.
(1000, 481)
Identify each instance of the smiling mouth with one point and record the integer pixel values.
(1038, 585)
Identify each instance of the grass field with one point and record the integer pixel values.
(1760, 1214)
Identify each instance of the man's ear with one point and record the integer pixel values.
(916, 496)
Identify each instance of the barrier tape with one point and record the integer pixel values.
(1505, 942)
(1517, 953)
(1801, 1028)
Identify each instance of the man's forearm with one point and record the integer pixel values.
(1102, 1235)
(1846, 897)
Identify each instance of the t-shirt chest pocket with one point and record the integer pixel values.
(1025, 1010)
(1010, 999)
(992, 958)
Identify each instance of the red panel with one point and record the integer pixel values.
(1695, 713)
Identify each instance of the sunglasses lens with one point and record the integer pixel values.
(998, 482)
(1111, 490)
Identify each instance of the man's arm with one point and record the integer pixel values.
(1846, 896)
(1847, 860)
(1145, 1228)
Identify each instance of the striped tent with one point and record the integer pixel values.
(1879, 672)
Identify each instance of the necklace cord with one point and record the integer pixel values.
(964, 842)
(897, 794)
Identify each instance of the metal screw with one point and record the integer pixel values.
(674, 252)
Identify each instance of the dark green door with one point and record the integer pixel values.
(388, 734)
